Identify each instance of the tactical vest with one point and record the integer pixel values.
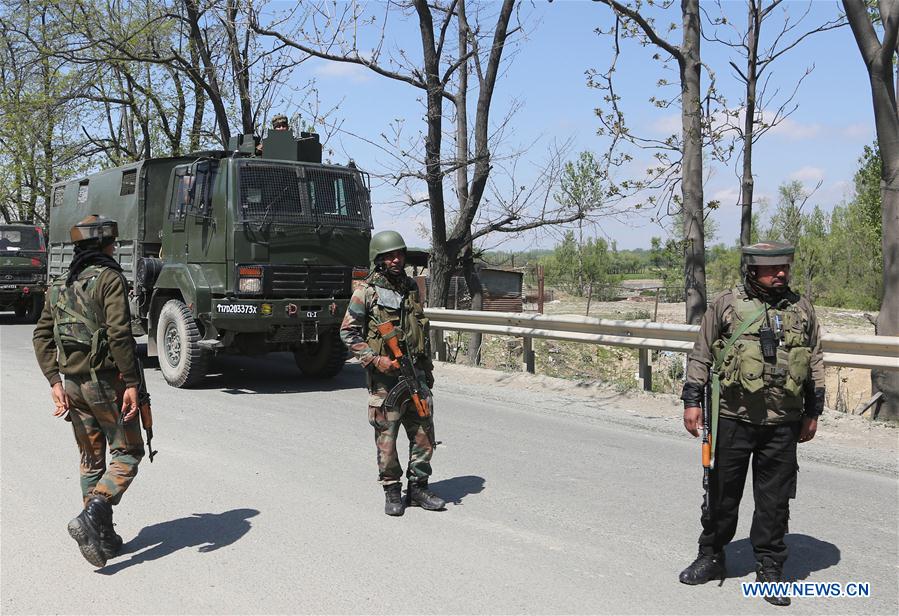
(740, 361)
(78, 318)
(401, 308)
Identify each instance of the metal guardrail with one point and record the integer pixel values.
(851, 351)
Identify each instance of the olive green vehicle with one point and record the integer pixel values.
(247, 251)
(23, 270)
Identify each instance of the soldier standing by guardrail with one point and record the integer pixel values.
(389, 298)
(759, 349)
(85, 333)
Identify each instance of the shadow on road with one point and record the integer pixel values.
(807, 555)
(274, 373)
(208, 531)
(455, 489)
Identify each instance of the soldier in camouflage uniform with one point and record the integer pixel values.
(388, 294)
(85, 333)
(764, 342)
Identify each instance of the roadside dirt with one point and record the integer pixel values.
(843, 439)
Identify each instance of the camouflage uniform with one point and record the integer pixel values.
(95, 391)
(374, 301)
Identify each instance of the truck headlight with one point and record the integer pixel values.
(249, 280)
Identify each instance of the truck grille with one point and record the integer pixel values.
(21, 277)
(309, 281)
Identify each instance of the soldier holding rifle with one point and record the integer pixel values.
(758, 369)
(387, 331)
(84, 333)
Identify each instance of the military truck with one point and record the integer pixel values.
(247, 251)
(23, 269)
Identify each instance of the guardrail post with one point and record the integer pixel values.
(528, 353)
(439, 351)
(645, 369)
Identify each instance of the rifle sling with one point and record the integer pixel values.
(716, 379)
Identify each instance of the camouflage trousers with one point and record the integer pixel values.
(94, 410)
(387, 422)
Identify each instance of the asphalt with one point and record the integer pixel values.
(263, 500)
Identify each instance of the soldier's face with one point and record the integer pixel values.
(109, 249)
(395, 261)
(773, 275)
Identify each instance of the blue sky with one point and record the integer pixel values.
(821, 141)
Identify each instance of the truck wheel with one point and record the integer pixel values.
(181, 359)
(32, 312)
(324, 359)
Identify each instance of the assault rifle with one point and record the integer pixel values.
(706, 451)
(409, 377)
(146, 414)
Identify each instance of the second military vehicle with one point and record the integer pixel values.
(23, 269)
(249, 250)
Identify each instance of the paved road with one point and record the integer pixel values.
(263, 499)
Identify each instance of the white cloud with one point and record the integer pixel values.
(808, 174)
(727, 196)
(667, 125)
(343, 70)
(791, 129)
(858, 130)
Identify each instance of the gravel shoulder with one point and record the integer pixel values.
(843, 440)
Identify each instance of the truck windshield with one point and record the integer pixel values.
(13, 239)
(277, 193)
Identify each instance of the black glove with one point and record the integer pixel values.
(429, 379)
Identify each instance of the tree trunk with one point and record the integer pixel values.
(691, 182)
(747, 183)
(879, 59)
(476, 291)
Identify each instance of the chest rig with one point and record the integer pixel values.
(400, 307)
(740, 358)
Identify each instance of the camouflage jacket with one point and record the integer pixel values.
(751, 389)
(111, 294)
(367, 308)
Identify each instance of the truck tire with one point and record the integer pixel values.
(324, 359)
(181, 359)
(34, 308)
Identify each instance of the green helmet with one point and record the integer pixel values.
(279, 120)
(768, 253)
(94, 227)
(383, 242)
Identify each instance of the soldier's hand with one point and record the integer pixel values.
(429, 379)
(693, 419)
(60, 400)
(385, 364)
(129, 403)
(808, 429)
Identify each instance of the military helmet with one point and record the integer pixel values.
(383, 242)
(279, 119)
(768, 253)
(94, 227)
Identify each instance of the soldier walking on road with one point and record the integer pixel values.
(389, 295)
(764, 343)
(85, 333)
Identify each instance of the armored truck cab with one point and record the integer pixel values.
(23, 270)
(247, 251)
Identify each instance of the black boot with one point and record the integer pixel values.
(393, 499)
(420, 495)
(88, 529)
(771, 572)
(110, 541)
(705, 568)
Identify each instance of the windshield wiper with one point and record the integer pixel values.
(271, 204)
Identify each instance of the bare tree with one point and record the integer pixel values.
(467, 152)
(760, 111)
(687, 55)
(879, 56)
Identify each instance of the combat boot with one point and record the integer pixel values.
(88, 529)
(705, 568)
(771, 572)
(420, 495)
(110, 541)
(393, 499)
